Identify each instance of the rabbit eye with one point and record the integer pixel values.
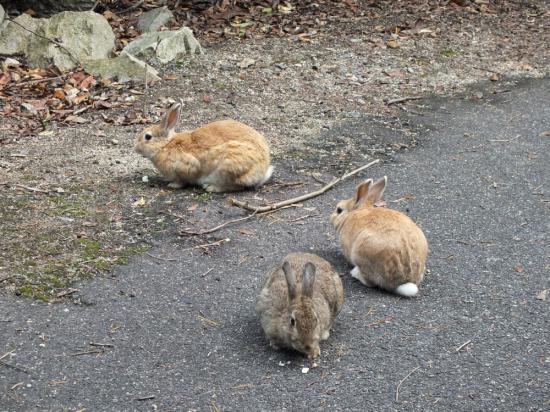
(148, 136)
(292, 322)
(339, 210)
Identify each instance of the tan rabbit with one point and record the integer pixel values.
(386, 247)
(298, 303)
(221, 156)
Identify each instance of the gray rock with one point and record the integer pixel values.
(86, 35)
(123, 68)
(166, 46)
(154, 19)
(2, 14)
(13, 38)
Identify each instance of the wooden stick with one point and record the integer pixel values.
(219, 242)
(403, 380)
(275, 206)
(32, 189)
(402, 99)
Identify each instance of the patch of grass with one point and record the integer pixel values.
(205, 197)
(449, 53)
(51, 240)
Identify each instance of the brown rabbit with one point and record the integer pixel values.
(221, 156)
(386, 247)
(298, 303)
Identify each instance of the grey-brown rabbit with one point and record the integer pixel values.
(299, 301)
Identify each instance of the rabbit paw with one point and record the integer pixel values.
(315, 353)
(213, 188)
(175, 185)
(325, 335)
(356, 273)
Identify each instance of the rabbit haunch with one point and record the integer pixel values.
(221, 156)
(385, 246)
(298, 303)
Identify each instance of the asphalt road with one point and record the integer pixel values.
(183, 334)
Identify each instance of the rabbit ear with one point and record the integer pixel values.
(377, 190)
(308, 278)
(170, 119)
(361, 192)
(290, 280)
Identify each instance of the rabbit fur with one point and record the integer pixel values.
(298, 303)
(222, 156)
(385, 246)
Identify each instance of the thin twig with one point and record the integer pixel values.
(463, 345)
(403, 380)
(485, 69)
(6, 278)
(299, 199)
(300, 218)
(206, 245)
(107, 345)
(95, 5)
(32, 189)
(146, 398)
(67, 292)
(89, 352)
(5, 355)
(161, 258)
(207, 272)
(504, 140)
(132, 7)
(46, 38)
(403, 99)
(204, 232)
(42, 80)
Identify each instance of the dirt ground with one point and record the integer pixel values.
(74, 202)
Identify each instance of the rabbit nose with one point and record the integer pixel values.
(308, 348)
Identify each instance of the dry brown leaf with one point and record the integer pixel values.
(494, 77)
(246, 232)
(192, 207)
(172, 76)
(519, 268)
(392, 44)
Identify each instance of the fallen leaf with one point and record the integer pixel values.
(171, 77)
(207, 99)
(392, 44)
(4, 78)
(546, 133)
(494, 77)
(192, 207)
(46, 133)
(542, 295)
(59, 93)
(519, 268)
(89, 80)
(246, 232)
(140, 202)
(246, 63)
(75, 119)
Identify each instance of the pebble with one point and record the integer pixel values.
(114, 141)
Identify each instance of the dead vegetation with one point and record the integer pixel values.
(72, 196)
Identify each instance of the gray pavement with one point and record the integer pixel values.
(184, 334)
